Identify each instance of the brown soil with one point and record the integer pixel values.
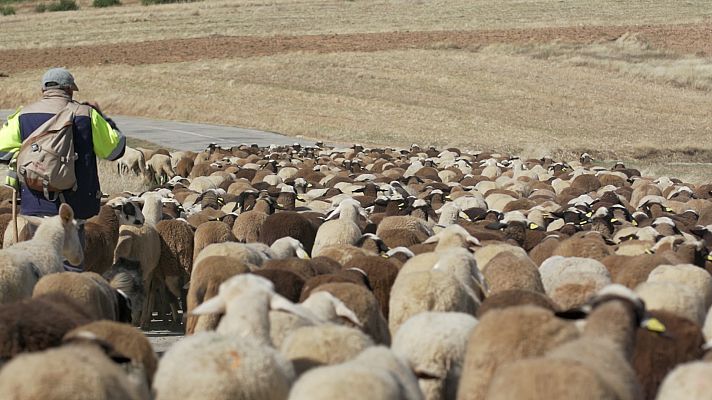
(684, 39)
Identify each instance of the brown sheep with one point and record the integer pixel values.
(123, 339)
(364, 304)
(288, 223)
(39, 323)
(657, 353)
(204, 284)
(209, 233)
(286, 283)
(515, 297)
(381, 274)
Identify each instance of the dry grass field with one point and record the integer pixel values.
(621, 80)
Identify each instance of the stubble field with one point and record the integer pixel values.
(619, 80)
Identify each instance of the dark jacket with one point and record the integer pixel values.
(94, 136)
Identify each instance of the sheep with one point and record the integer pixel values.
(132, 161)
(254, 254)
(101, 235)
(214, 366)
(242, 335)
(287, 247)
(123, 339)
(657, 353)
(289, 223)
(88, 289)
(38, 323)
(515, 297)
(687, 381)
(126, 276)
(286, 283)
(204, 284)
(209, 233)
(248, 224)
(598, 359)
(507, 271)
(323, 305)
(353, 275)
(89, 374)
(488, 251)
(434, 343)
(364, 305)
(583, 246)
(22, 264)
(687, 274)
(674, 297)
(175, 262)
(381, 273)
(143, 244)
(376, 374)
(433, 290)
(506, 335)
(571, 281)
(339, 232)
(312, 346)
(159, 168)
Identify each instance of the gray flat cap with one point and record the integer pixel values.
(58, 77)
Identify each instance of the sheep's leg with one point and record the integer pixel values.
(146, 315)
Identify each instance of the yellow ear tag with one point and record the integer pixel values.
(384, 255)
(614, 220)
(635, 223)
(668, 209)
(589, 214)
(709, 257)
(533, 226)
(654, 325)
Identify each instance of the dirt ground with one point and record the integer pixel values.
(683, 39)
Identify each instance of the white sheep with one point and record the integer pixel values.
(341, 231)
(214, 366)
(687, 381)
(674, 297)
(376, 374)
(571, 281)
(93, 376)
(434, 343)
(224, 364)
(22, 264)
(691, 275)
(159, 168)
(132, 161)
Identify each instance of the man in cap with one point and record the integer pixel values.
(94, 135)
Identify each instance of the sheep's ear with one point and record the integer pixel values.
(301, 253)
(432, 239)
(214, 305)
(345, 312)
(279, 303)
(66, 213)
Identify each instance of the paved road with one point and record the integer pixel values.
(190, 136)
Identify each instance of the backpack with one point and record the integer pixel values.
(45, 161)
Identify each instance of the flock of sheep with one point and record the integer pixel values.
(314, 272)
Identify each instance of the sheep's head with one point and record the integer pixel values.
(328, 307)
(128, 212)
(289, 247)
(452, 237)
(72, 249)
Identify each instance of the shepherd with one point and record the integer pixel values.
(51, 147)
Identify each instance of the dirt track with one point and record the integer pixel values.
(684, 39)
